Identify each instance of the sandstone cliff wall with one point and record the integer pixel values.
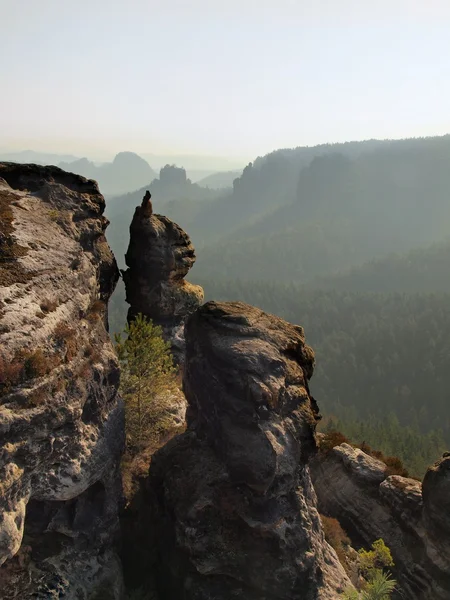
(234, 509)
(61, 419)
(159, 256)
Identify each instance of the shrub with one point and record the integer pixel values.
(395, 466)
(378, 584)
(379, 588)
(95, 310)
(377, 558)
(331, 439)
(335, 536)
(66, 336)
(334, 438)
(48, 305)
(37, 397)
(10, 374)
(92, 353)
(36, 364)
(63, 332)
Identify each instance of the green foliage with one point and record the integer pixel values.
(404, 449)
(147, 378)
(380, 587)
(330, 217)
(381, 361)
(381, 369)
(375, 559)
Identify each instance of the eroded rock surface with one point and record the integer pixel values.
(61, 419)
(235, 508)
(413, 519)
(159, 257)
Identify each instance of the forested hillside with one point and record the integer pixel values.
(350, 241)
(382, 359)
(344, 211)
(420, 270)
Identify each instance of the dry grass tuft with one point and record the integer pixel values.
(11, 271)
(336, 537)
(48, 305)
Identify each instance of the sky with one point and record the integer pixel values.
(234, 79)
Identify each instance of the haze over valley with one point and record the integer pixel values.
(225, 300)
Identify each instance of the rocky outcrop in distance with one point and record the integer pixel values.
(413, 518)
(128, 171)
(159, 257)
(234, 508)
(61, 418)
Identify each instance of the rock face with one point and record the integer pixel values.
(61, 419)
(235, 508)
(413, 519)
(159, 257)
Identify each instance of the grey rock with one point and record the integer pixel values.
(61, 418)
(234, 508)
(159, 257)
(413, 520)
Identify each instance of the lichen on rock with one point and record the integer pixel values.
(61, 418)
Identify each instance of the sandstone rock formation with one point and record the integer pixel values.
(61, 419)
(159, 257)
(413, 519)
(235, 512)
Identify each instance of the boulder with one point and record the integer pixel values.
(235, 512)
(411, 518)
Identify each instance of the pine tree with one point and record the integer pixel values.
(147, 378)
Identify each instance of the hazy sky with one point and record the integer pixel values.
(231, 78)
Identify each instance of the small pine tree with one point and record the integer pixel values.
(147, 378)
(380, 587)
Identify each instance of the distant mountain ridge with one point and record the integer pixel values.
(220, 180)
(313, 216)
(39, 158)
(125, 172)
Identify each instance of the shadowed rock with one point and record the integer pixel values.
(413, 520)
(235, 509)
(159, 256)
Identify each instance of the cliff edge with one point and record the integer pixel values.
(61, 418)
(234, 508)
(413, 518)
